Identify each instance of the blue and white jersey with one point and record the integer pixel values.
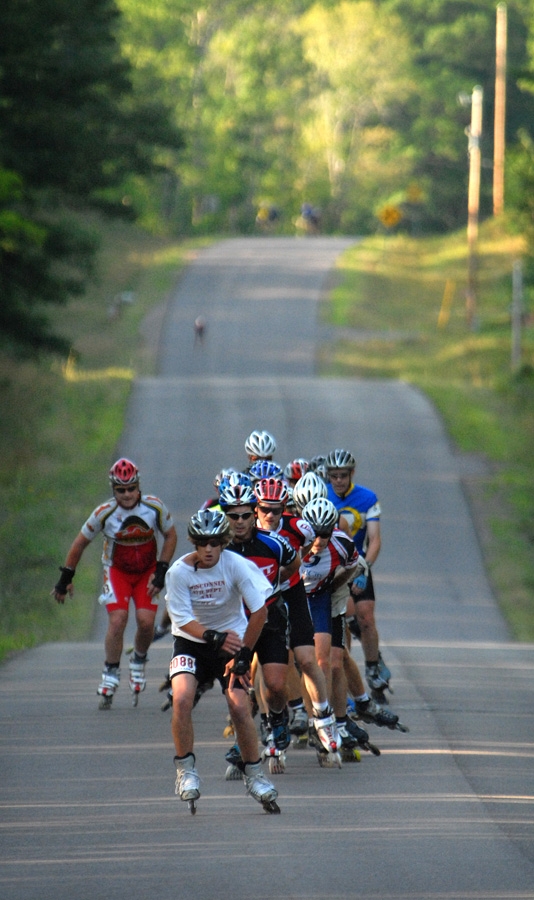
(359, 506)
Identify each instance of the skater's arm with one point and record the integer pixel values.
(157, 580)
(64, 586)
(287, 571)
(374, 541)
(254, 628)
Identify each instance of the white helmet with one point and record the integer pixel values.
(340, 459)
(322, 515)
(309, 487)
(260, 444)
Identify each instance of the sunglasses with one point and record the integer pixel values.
(126, 490)
(208, 542)
(275, 510)
(236, 516)
(323, 534)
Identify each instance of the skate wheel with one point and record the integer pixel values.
(271, 806)
(277, 765)
(300, 741)
(400, 727)
(135, 698)
(228, 731)
(192, 807)
(105, 702)
(372, 748)
(352, 755)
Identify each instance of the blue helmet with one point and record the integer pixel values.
(236, 490)
(265, 468)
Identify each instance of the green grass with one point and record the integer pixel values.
(391, 291)
(61, 424)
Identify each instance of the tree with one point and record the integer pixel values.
(71, 130)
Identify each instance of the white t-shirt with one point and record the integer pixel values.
(214, 597)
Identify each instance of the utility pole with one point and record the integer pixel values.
(500, 110)
(473, 201)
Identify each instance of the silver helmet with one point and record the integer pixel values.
(208, 523)
(340, 459)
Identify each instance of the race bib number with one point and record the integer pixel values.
(182, 663)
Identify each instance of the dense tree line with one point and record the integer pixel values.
(351, 106)
(72, 131)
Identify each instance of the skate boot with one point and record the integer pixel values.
(280, 729)
(360, 736)
(349, 745)
(274, 756)
(233, 758)
(265, 729)
(137, 676)
(325, 739)
(370, 711)
(377, 677)
(299, 727)
(187, 781)
(166, 686)
(278, 740)
(160, 631)
(111, 677)
(260, 788)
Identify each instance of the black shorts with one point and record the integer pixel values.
(301, 629)
(338, 631)
(368, 593)
(272, 645)
(200, 660)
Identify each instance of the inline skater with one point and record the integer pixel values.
(360, 507)
(311, 487)
(278, 560)
(213, 639)
(329, 563)
(272, 494)
(131, 523)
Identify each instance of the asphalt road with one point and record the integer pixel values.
(446, 812)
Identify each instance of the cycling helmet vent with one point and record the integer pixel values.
(236, 491)
(321, 514)
(340, 459)
(296, 469)
(208, 523)
(271, 490)
(265, 468)
(123, 472)
(261, 444)
(309, 487)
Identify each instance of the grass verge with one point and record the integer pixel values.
(400, 307)
(61, 423)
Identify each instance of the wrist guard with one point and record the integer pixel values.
(215, 639)
(159, 575)
(66, 578)
(242, 661)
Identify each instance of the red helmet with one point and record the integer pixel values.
(271, 490)
(296, 469)
(124, 472)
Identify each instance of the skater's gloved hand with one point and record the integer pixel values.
(242, 661)
(215, 639)
(360, 582)
(157, 582)
(64, 585)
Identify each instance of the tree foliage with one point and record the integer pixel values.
(71, 130)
